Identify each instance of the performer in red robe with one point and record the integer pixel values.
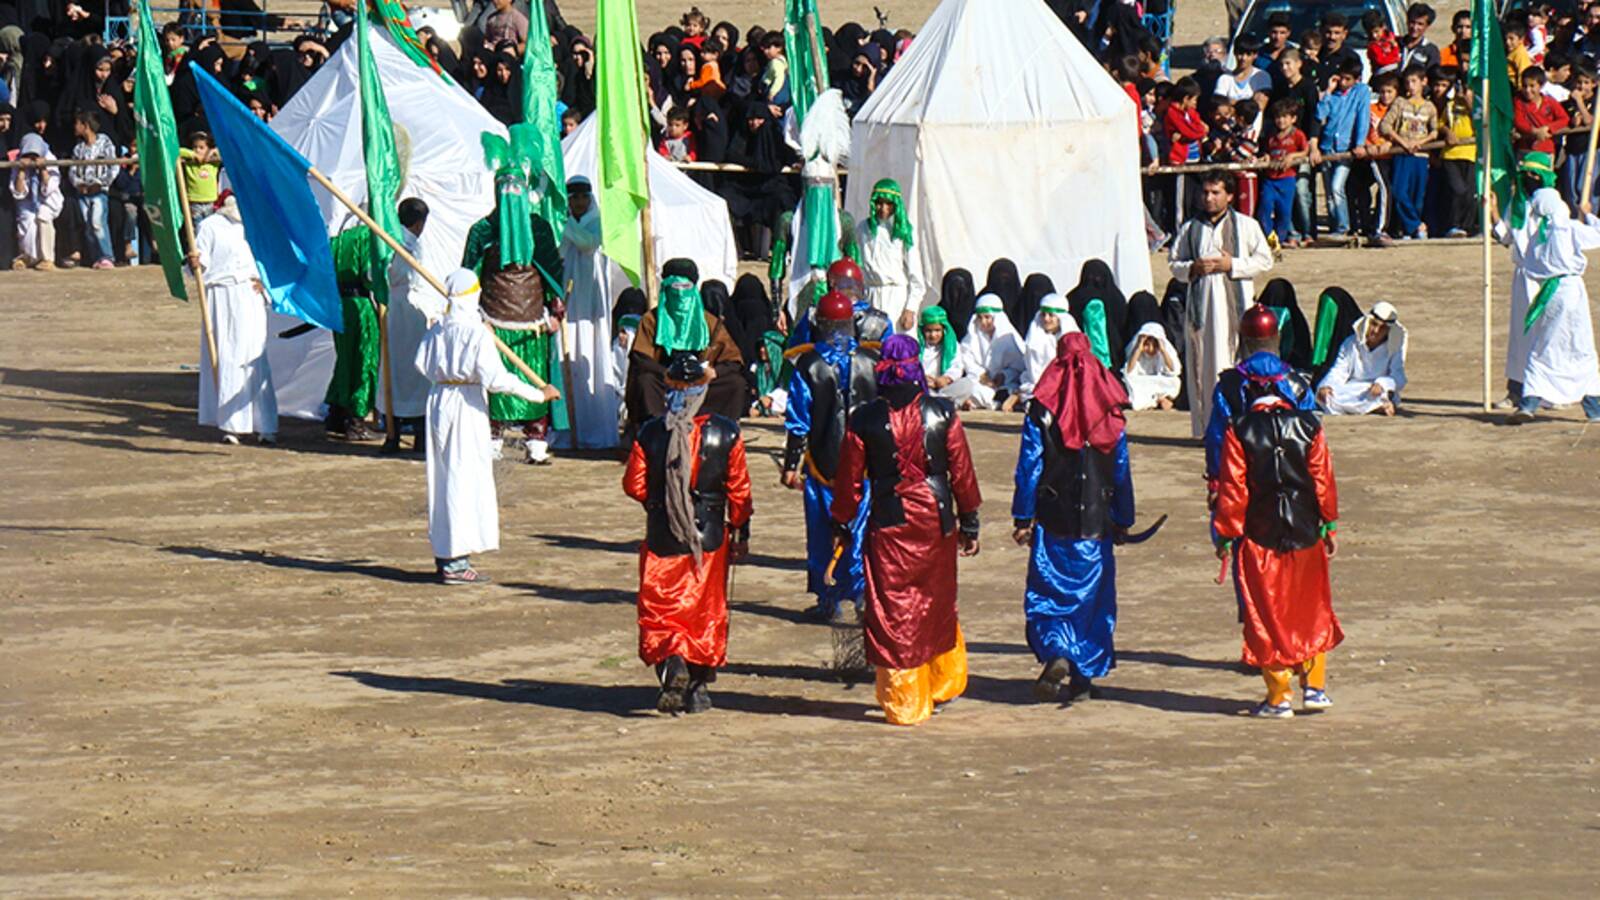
(923, 510)
(688, 469)
(1278, 508)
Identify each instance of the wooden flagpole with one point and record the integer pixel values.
(433, 282)
(1588, 162)
(647, 244)
(391, 424)
(1487, 229)
(208, 333)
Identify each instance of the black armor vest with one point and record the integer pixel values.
(872, 325)
(1282, 513)
(1073, 499)
(828, 413)
(870, 422)
(710, 488)
(1240, 392)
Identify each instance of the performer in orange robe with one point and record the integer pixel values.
(911, 446)
(688, 470)
(1278, 508)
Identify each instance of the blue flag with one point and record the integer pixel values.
(280, 214)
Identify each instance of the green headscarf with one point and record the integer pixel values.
(935, 315)
(1094, 328)
(889, 189)
(768, 373)
(681, 317)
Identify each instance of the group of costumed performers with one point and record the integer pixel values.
(680, 323)
(519, 265)
(832, 377)
(1550, 358)
(1073, 502)
(687, 468)
(236, 392)
(460, 360)
(922, 511)
(889, 258)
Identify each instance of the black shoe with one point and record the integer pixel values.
(391, 447)
(1048, 687)
(674, 676)
(1081, 688)
(698, 700)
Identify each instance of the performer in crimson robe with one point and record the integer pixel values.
(1278, 509)
(923, 510)
(688, 470)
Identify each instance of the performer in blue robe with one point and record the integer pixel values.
(830, 379)
(1073, 502)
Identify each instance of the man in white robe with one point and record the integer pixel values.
(1543, 202)
(992, 356)
(459, 357)
(1562, 366)
(237, 397)
(595, 394)
(1217, 254)
(413, 306)
(889, 260)
(1370, 371)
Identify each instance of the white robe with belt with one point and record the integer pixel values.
(595, 394)
(1562, 366)
(1544, 202)
(461, 361)
(1358, 367)
(413, 303)
(239, 398)
(1216, 302)
(893, 272)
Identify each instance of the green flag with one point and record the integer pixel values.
(382, 161)
(623, 190)
(398, 23)
(539, 113)
(158, 153)
(802, 45)
(1487, 60)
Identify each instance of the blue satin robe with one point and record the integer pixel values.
(1071, 597)
(850, 576)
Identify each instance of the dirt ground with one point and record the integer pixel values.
(226, 672)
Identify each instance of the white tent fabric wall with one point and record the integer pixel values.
(438, 129)
(1008, 140)
(687, 220)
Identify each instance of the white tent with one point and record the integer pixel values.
(437, 131)
(687, 220)
(1008, 140)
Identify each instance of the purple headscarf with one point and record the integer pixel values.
(900, 363)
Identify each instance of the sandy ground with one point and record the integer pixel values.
(226, 673)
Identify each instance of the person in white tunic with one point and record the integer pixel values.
(992, 355)
(1153, 372)
(238, 398)
(1216, 254)
(1370, 371)
(413, 306)
(1543, 201)
(459, 357)
(1053, 319)
(595, 394)
(895, 284)
(1562, 367)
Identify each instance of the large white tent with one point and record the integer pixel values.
(687, 220)
(438, 129)
(1009, 140)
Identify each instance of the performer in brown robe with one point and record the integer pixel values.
(646, 390)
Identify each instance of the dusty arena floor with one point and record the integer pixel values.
(226, 672)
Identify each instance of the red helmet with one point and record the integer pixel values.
(842, 269)
(1259, 323)
(835, 307)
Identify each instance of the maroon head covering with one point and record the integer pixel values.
(1084, 398)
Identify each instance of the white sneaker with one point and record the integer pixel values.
(496, 446)
(538, 452)
(230, 440)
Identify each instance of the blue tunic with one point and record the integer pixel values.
(850, 576)
(1071, 598)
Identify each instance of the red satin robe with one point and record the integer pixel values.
(911, 568)
(683, 611)
(1286, 597)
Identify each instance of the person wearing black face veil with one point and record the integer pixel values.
(445, 57)
(1294, 341)
(753, 309)
(1037, 287)
(1337, 314)
(857, 88)
(958, 299)
(1005, 283)
(1104, 329)
(577, 72)
(503, 98)
(755, 201)
(717, 301)
(1173, 307)
(842, 51)
(1124, 27)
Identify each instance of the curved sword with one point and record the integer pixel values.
(1145, 535)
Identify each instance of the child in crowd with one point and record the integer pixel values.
(1245, 79)
(1459, 161)
(775, 77)
(1536, 118)
(1185, 131)
(1580, 111)
(201, 180)
(1370, 175)
(1383, 48)
(1557, 72)
(1538, 34)
(128, 191)
(708, 82)
(569, 122)
(1287, 149)
(1410, 123)
(37, 193)
(1228, 139)
(678, 145)
(1517, 58)
(1345, 114)
(91, 183)
(695, 24)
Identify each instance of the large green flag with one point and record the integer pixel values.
(158, 153)
(382, 160)
(539, 112)
(623, 190)
(1488, 61)
(398, 22)
(802, 45)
